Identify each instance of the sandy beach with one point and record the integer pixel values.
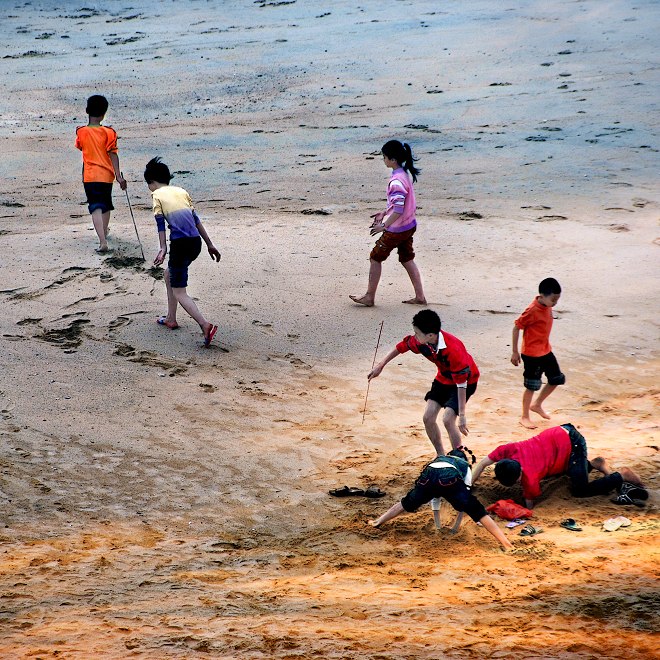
(160, 500)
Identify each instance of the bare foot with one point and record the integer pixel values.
(102, 249)
(365, 300)
(600, 464)
(415, 301)
(630, 476)
(539, 411)
(527, 423)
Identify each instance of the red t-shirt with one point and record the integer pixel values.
(455, 364)
(541, 456)
(536, 324)
(96, 142)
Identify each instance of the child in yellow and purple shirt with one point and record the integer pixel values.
(173, 206)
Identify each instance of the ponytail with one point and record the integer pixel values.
(402, 154)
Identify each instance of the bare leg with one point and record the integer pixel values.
(416, 279)
(375, 270)
(537, 406)
(630, 476)
(189, 305)
(97, 220)
(170, 319)
(430, 419)
(449, 418)
(457, 523)
(526, 402)
(106, 223)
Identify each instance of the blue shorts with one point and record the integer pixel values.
(183, 251)
(99, 196)
(535, 367)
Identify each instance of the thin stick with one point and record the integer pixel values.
(380, 332)
(130, 208)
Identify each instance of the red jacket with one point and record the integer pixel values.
(455, 364)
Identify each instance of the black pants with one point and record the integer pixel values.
(579, 468)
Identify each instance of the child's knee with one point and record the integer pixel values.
(430, 418)
(532, 384)
(449, 417)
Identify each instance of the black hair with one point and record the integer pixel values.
(97, 106)
(549, 286)
(462, 452)
(402, 154)
(157, 171)
(507, 471)
(427, 321)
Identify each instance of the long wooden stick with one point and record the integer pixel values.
(130, 208)
(380, 332)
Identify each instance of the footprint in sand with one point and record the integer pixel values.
(489, 311)
(243, 308)
(266, 327)
(66, 338)
(119, 322)
(550, 218)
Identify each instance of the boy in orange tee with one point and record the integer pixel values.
(537, 355)
(100, 166)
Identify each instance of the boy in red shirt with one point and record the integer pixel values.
(100, 166)
(454, 384)
(558, 450)
(537, 356)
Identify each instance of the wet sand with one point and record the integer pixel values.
(161, 500)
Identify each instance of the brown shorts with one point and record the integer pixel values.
(389, 240)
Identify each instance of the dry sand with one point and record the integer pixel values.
(164, 501)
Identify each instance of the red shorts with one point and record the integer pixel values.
(389, 240)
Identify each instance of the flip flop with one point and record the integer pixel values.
(612, 524)
(529, 530)
(209, 337)
(345, 491)
(569, 523)
(162, 321)
(374, 491)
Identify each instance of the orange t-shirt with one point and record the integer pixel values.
(96, 142)
(536, 324)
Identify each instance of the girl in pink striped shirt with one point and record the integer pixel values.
(397, 223)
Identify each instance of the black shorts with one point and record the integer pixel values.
(535, 367)
(99, 196)
(457, 494)
(447, 395)
(183, 251)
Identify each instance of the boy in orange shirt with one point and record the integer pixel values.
(537, 355)
(100, 166)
